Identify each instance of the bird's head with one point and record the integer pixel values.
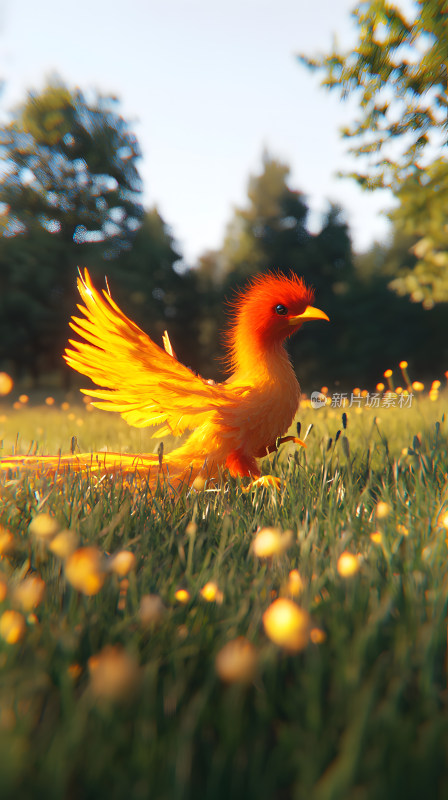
(272, 307)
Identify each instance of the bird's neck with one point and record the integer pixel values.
(257, 363)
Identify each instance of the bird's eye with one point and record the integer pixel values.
(281, 310)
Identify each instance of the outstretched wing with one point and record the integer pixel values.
(144, 383)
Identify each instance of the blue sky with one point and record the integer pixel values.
(207, 85)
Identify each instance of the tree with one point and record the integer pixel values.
(271, 230)
(69, 195)
(398, 71)
(70, 168)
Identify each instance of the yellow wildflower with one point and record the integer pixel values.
(63, 544)
(382, 510)
(84, 570)
(287, 625)
(236, 661)
(6, 383)
(211, 593)
(295, 585)
(182, 595)
(123, 562)
(44, 526)
(347, 565)
(317, 635)
(29, 592)
(113, 673)
(12, 626)
(271, 542)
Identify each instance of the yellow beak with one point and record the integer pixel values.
(309, 314)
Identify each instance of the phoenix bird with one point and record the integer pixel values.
(232, 424)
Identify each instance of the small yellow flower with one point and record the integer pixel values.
(44, 526)
(49, 401)
(123, 562)
(64, 544)
(6, 540)
(191, 528)
(295, 585)
(403, 364)
(443, 520)
(114, 674)
(6, 383)
(418, 386)
(12, 626)
(30, 592)
(74, 671)
(151, 609)
(388, 373)
(23, 398)
(271, 542)
(403, 530)
(377, 537)
(182, 596)
(382, 510)
(317, 635)
(211, 593)
(347, 565)
(84, 570)
(236, 661)
(287, 625)
(65, 406)
(380, 387)
(198, 483)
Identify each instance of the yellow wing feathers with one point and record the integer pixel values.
(144, 383)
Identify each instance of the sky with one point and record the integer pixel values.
(207, 85)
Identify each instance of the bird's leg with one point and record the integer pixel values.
(282, 440)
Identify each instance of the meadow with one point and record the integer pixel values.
(228, 643)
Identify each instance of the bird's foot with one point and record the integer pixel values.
(264, 482)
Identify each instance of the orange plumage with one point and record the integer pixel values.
(233, 423)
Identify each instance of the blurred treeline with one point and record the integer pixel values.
(70, 195)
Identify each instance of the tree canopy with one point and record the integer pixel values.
(70, 167)
(398, 73)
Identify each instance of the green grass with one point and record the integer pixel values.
(360, 716)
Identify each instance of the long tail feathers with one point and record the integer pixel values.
(178, 472)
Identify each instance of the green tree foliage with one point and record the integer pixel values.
(70, 167)
(398, 73)
(69, 195)
(422, 217)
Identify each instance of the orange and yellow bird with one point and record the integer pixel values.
(232, 424)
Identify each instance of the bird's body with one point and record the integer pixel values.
(233, 423)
